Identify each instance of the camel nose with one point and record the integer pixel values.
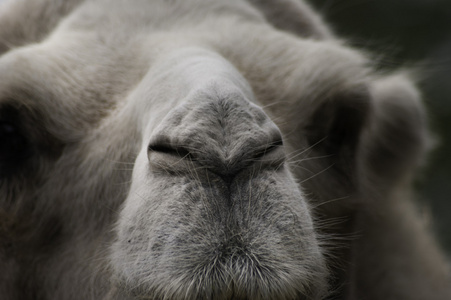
(223, 135)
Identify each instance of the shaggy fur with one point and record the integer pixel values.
(204, 149)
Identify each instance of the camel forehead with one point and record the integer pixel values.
(81, 66)
(72, 74)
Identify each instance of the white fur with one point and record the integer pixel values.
(156, 168)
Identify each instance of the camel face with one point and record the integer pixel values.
(203, 150)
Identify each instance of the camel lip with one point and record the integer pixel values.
(232, 269)
(235, 279)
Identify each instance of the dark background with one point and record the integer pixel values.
(410, 34)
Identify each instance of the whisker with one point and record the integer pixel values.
(317, 174)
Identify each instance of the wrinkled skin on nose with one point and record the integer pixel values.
(214, 210)
(222, 133)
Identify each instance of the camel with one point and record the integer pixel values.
(205, 149)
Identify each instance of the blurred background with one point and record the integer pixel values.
(410, 34)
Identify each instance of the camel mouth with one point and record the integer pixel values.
(216, 263)
(237, 275)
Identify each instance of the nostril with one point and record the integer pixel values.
(267, 149)
(178, 151)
